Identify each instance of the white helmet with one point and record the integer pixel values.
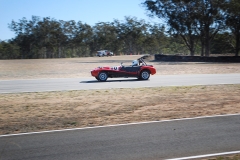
(134, 62)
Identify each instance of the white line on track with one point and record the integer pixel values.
(206, 155)
(127, 124)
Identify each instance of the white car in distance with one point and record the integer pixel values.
(104, 53)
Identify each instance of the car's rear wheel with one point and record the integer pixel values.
(144, 75)
(102, 76)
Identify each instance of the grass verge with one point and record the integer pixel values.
(28, 112)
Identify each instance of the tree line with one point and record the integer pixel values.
(50, 38)
(191, 27)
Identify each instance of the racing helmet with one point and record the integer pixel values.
(134, 62)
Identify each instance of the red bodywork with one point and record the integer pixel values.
(111, 71)
(141, 71)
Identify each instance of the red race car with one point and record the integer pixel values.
(138, 69)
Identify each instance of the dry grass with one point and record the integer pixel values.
(26, 112)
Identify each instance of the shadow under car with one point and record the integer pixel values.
(116, 80)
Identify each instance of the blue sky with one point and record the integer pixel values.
(87, 11)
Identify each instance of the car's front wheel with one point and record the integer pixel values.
(144, 75)
(102, 76)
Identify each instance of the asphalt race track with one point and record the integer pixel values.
(41, 85)
(151, 140)
(156, 140)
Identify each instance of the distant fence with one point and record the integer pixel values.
(177, 58)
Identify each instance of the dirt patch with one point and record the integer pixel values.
(27, 112)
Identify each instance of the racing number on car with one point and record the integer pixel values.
(114, 68)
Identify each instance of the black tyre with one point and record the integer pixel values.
(97, 78)
(144, 75)
(102, 76)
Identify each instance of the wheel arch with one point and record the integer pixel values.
(145, 69)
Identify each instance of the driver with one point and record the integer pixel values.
(134, 63)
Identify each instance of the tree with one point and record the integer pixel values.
(221, 44)
(131, 34)
(49, 36)
(189, 18)
(24, 31)
(210, 21)
(83, 34)
(105, 36)
(179, 15)
(233, 21)
(155, 39)
(38, 38)
(9, 50)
